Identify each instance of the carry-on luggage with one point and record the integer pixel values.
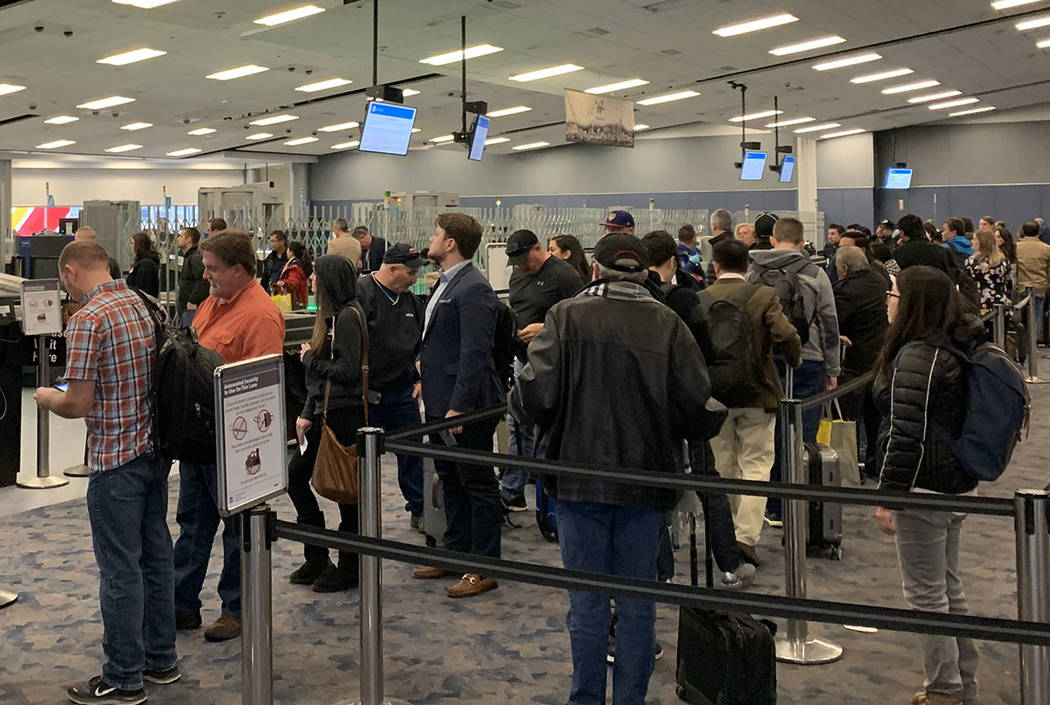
(434, 521)
(546, 513)
(824, 530)
(724, 658)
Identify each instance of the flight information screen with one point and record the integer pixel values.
(387, 128)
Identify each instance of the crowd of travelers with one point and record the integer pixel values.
(657, 352)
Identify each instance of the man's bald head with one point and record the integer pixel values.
(85, 233)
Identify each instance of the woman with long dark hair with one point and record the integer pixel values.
(145, 264)
(568, 248)
(920, 388)
(332, 357)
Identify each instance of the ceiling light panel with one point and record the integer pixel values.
(340, 127)
(973, 111)
(756, 116)
(238, 72)
(442, 139)
(346, 145)
(1005, 4)
(274, 119)
(133, 126)
(496, 140)
(1033, 24)
(323, 85)
(184, 152)
(818, 128)
(934, 96)
(103, 103)
(56, 144)
(300, 140)
(6, 88)
(548, 72)
(680, 95)
(953, 103)
(120, 148)
(61, 120)
(530, 145)
(848, 61)
(504, 112)
(296, 13)
(639, 126)
(1044, 44)
(881, 76)
(844, 133)
(131, 57)
(793, 121)
(409, 92)
(810, 45)
(453, 56)
(202, 131)
(259, 136)
(908, 87)
(755, 25)
(618, 86)
(144, 4)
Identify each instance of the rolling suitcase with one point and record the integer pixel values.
(724, 658)
(824, 526)
(434, 521)
(546, 513)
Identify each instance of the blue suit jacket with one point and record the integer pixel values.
(456, 354)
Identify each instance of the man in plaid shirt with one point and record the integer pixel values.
(110, 356)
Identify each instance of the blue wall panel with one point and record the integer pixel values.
(1012, 204)
(847, 205)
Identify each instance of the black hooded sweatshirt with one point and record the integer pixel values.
(145, 275)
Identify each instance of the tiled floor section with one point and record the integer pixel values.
(509, 646)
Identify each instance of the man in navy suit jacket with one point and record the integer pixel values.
(459, 375)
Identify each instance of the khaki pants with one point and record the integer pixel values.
(744, 450)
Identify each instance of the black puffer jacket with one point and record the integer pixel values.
(927, 384)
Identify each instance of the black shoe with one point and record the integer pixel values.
(658, 651)
(162, 677)
(189, 621)
(748, 553)
(308, 572)
(335, 580)
(100, 692)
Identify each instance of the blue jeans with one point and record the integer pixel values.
(397, 410)
(810, 379)
(522, 442)
(198, 519)
(604, 538)
(127, 509)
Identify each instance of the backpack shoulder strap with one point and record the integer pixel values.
(742, 295)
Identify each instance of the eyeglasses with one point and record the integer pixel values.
(890, 294)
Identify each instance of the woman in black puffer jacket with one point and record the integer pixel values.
(919, 383)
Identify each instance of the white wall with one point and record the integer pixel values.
(72, 187)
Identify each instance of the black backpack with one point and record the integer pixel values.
(183, 392)
(785, 281)
(736, 377)
(505, 345)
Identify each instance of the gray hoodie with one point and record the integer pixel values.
(819, 299)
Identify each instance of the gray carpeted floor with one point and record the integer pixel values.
(508, 646)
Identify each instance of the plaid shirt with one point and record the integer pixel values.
(112, 342)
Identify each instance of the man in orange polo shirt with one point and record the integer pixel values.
(239, 321)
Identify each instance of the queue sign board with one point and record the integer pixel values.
(41, 307)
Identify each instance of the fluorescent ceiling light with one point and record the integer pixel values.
(669, 97)
(103, 103)
(132, 126)
(504, 112)
(548, 72)
(346, 145)
(144, 4)
(933, 96)
(300, 140)
(818, 128)
(1005, 4)
(409, 92)
(793, 121)
(1044, 44)
(296, 13)
(755, 25)
(259, 136)
(184, 152)
(323, 85)
(953, 103)
(844, 133)
(202, 131)
(882, 76)
(530, 145)
(496, 140)
(416, 129)
(1033, 24)
(639, 126)
(442, 139)
(340, 127)
(6, 88)
(756, 116)
(807, 46)
(61, 120)
(972, 111)
(453, 56)
(618, 86)
(55, 144)
(124, 148)
(848, 61)
(274, 119)
(906, 87)
(130, 57)
(239, 72)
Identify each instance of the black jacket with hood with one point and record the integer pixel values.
(145, 275)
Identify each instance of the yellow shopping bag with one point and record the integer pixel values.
(283, 302)
(841, 435)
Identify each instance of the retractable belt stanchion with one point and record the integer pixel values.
(1033, 591)
(1000, 325)
(78, 470)
(370, 517)
(258, 532)
(796, 646)
(44, 479)
(1033, 349)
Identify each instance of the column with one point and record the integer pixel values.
(7, 242)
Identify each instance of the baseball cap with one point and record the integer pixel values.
(888, 224)
(403, 253)
(764, 224)
(518, 245)
(619, 219)
(621, 251)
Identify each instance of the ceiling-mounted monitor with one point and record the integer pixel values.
(478, 134)
(898, 178)
(753, 165)
(387, 128)
(787, 169)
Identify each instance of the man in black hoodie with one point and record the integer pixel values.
(192, 286)
(915, 249)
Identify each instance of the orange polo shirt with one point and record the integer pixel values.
(248, 325)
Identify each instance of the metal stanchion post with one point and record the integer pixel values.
(1000, 325)
(78, 470)
(257, 534)
(796, 646)
(370, 510)
(44, 479)
(1033, 593)
(1033, 349)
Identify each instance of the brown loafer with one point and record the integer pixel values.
(430, 572)
(470, 585)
